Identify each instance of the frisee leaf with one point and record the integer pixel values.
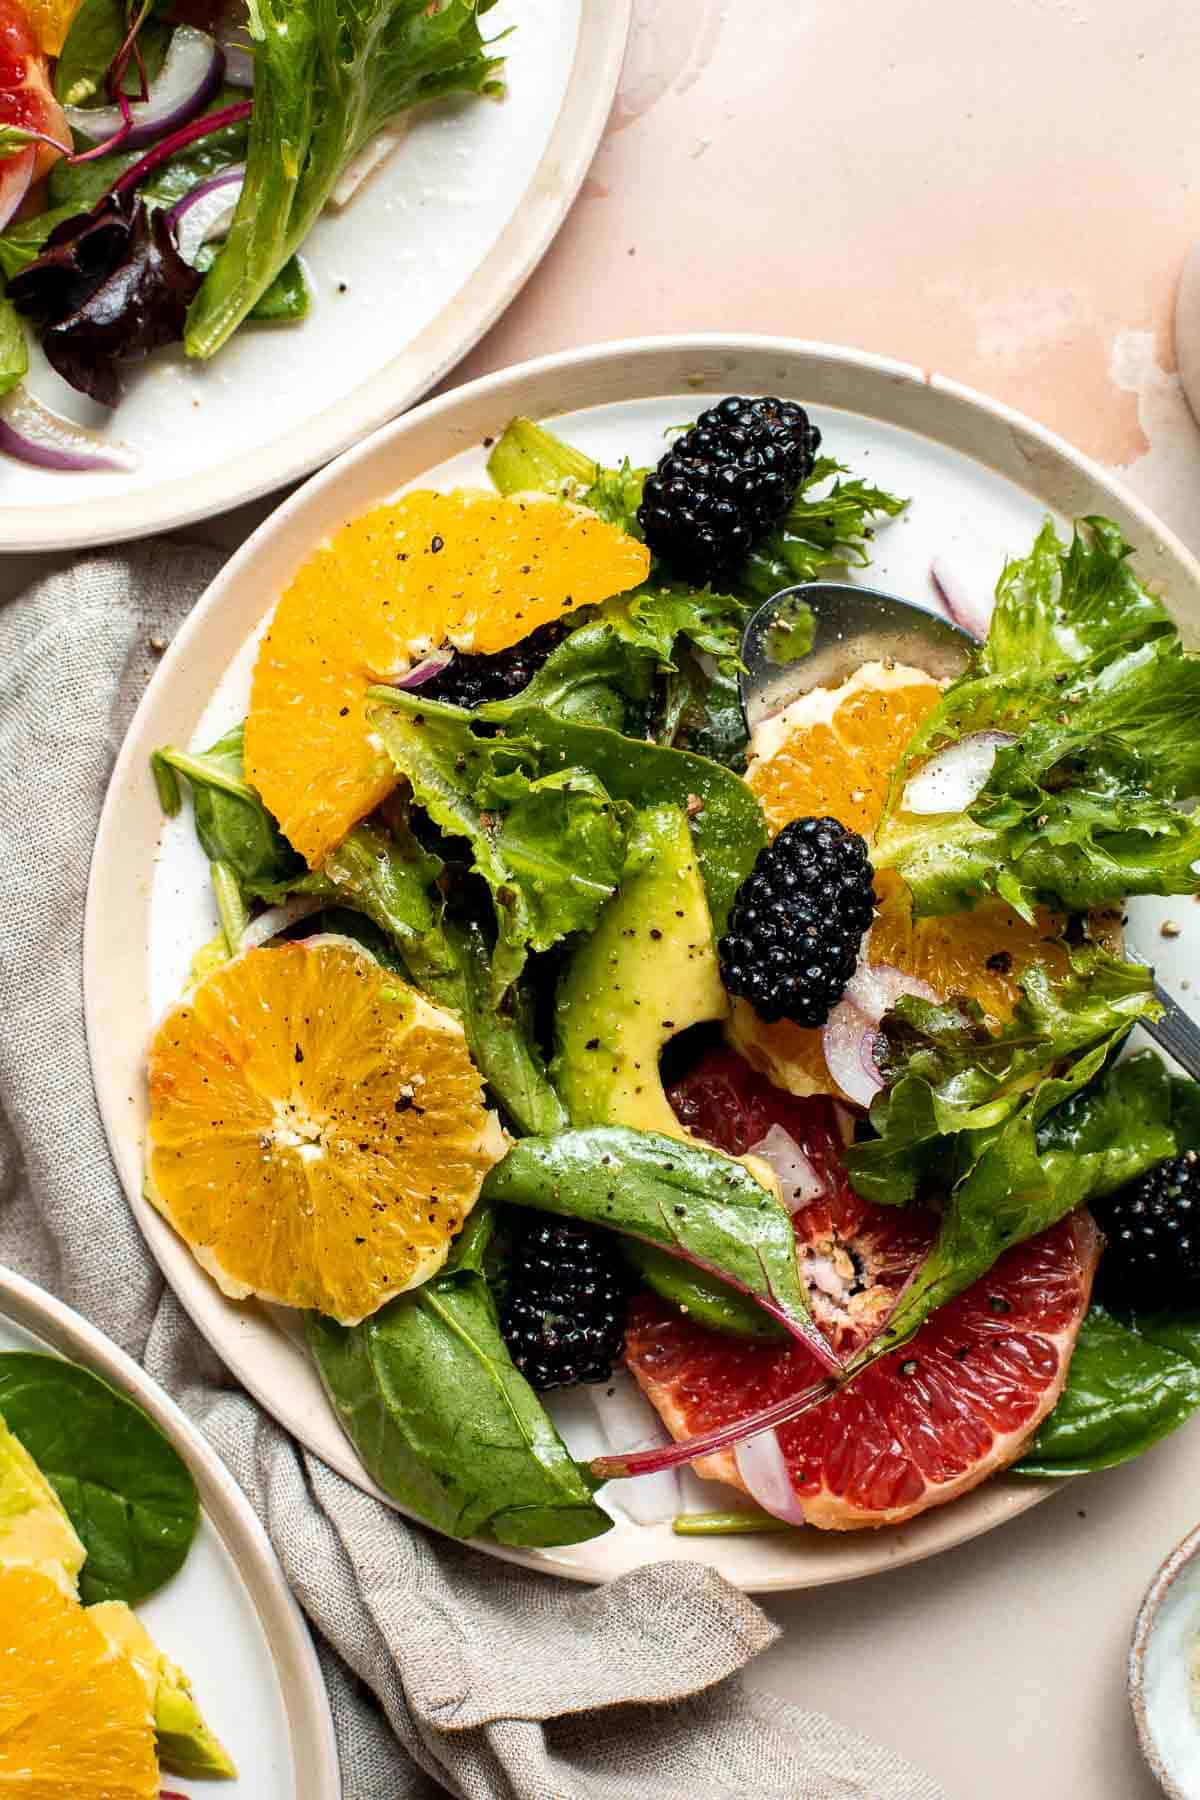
(1084, 667)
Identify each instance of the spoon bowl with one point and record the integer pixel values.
(850, 626)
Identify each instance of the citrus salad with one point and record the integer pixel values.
(97, 1511)
(555, 1022)
(159, 176)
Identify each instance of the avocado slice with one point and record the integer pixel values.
(186, 1746)
(34, 1528)
(647, 971)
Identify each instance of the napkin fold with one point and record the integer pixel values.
(447, 1670)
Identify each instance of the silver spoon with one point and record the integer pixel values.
(856, 625)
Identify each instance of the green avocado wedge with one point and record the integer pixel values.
(186, 1746)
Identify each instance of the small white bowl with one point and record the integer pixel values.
(1162, 1686)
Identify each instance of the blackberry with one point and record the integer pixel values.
(472, 680)
(724, 483)
(797, 922)
(563, 1317)
(1152, 1228)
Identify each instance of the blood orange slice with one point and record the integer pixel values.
(924, 1424)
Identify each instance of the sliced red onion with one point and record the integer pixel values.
(968, 604)
(627, 1417)
(798, 1180)
(952, 779)
(269, 924)
(875, 988)
(707, 1443)
(16, 173)
(374, 152)
(33, 434)
(763, 1468)
(426, 669)
(207, 210)
(846, 1040)
(190, 76)
(239, 56)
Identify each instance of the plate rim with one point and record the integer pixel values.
(1031, 444)
(416, 369)
(289, 1642)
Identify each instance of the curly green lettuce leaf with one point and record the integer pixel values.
(545, 834)
(464, 764)
(963, 1120)
(1085, 669)
(829, 525)
(14, 351)
(327, 77)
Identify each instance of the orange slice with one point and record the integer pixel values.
(75, 1718)
(317, 1130)
(832, 753)
(467, 569)
(50, 21)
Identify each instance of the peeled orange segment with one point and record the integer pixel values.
(317, 1129)
(832, 753)
(428, 569)
(925, 1423)
(50, 21)
(75, 1721)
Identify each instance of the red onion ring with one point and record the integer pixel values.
(952, 779)
(206, 210)
(761, 1465)
(33, 434)
(672, 1456)
(269, 924)
(188, 79)
(798, 1179)
(16, 173)
(964, 599)
(426, 669)
(847, 1034)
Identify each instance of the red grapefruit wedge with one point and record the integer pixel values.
(925, 1423)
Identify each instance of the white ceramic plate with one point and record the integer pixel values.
(981, 478)
(227, 1618)
(405, 281)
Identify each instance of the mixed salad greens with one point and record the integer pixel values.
(522, 827)
(178, 169)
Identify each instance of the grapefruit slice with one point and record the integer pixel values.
(924, 1424)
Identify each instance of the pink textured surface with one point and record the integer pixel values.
(995, 192)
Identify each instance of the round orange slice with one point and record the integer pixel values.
(75, 1718)
(466, 569)
(831, 753)
(317, 1129)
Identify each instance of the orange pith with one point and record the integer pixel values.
(317, 1130)
(835, 758)
(471, 570)
(75, 1719)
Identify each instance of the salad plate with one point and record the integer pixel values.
(980, 481)
(403, 282)
(227, 1616)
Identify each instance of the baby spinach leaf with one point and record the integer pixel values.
(325, 80)
(545, 835)
(129, 1493)
(80, 186)
(232, 824)
(429, 1397)
(961, 1120)
(684, 1198)
(14, 351)
(1089, 803)
(1131, 1382)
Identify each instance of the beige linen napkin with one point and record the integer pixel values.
(447, 1669)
